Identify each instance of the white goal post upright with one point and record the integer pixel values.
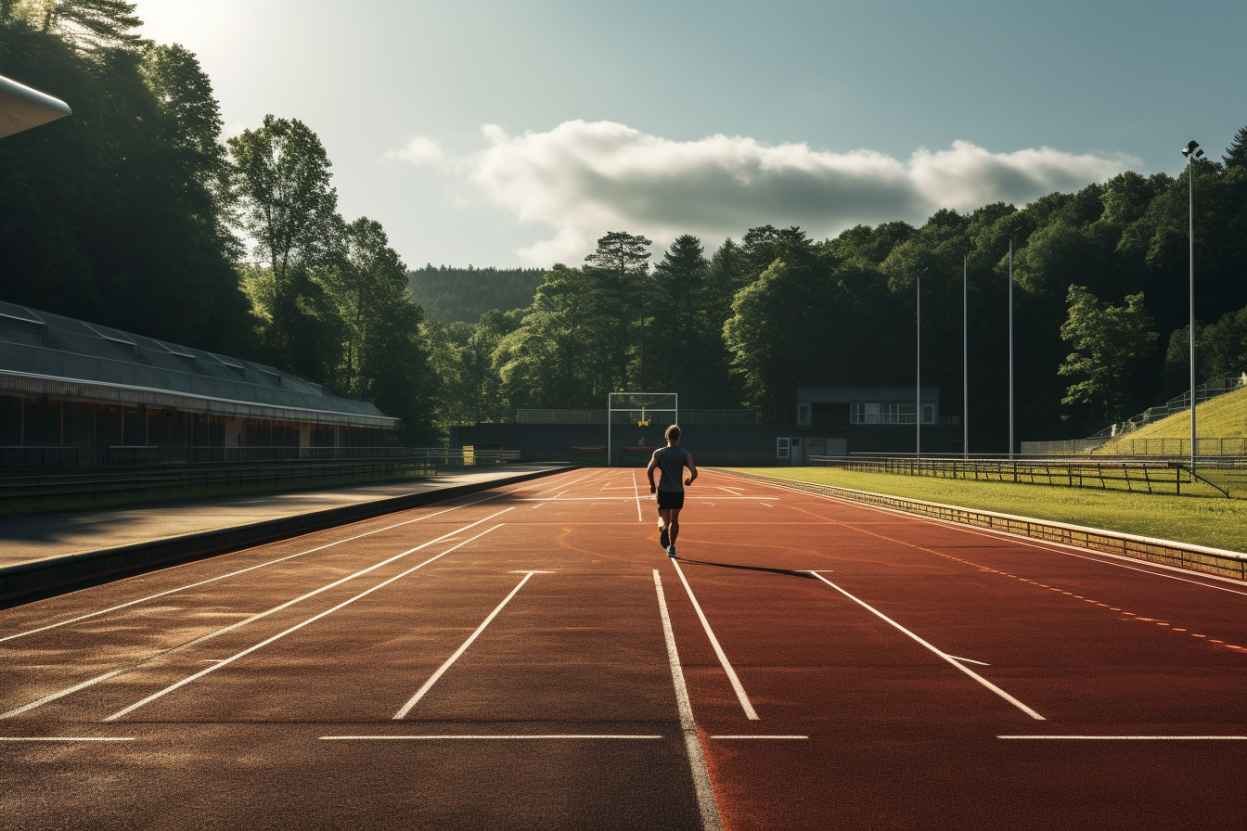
(641, 405)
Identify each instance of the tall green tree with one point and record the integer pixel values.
(1236, 154)
(621, 297)
(1108, 344)
(282, 179)
(90, 24)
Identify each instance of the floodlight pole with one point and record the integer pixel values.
(1190, 180)
(918, 368)
(1010, 349)
(965, 360)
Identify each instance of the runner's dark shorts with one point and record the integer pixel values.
(670, 500)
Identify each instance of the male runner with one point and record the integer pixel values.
(671, 460)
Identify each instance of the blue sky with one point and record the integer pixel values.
(605, 116)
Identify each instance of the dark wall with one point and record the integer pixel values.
(752, 444)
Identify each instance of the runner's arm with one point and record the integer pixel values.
(649, 470)
(692, 467)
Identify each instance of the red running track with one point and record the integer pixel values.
(528, 658)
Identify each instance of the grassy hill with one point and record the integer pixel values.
(1223, 417)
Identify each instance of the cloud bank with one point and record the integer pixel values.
(583, 178)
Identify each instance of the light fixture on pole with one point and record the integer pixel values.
(1193, 153)
(22, 108)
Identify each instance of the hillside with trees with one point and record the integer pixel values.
(136, 213)
(464, 294)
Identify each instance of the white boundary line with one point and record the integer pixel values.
(66, 739)
(741, 696)
(710, 820)
(637, 491)
(244, 653)
(1127, 738)
(498, 737)
(458, 653)
(90, 682)
(793, 738)
(943, 656)
(1130, 563)
(264, 564)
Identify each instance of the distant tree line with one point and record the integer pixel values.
(135, 213)
(464, 294)
(1099, 299)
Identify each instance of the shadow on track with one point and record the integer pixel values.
(787, 572)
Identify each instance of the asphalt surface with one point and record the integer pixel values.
(528, 658)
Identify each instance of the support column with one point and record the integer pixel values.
(305, 439)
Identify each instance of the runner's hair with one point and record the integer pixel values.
(672, 433)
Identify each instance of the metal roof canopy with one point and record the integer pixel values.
(22, 108)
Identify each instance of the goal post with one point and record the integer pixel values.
(638, 410)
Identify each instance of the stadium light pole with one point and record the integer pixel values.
(22, 108)
(965, 360)
(1010, 349)
(1192, 152)
(918, 363)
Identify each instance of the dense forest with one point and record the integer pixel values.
(137, 213)
(464, 294)
(1099, 301)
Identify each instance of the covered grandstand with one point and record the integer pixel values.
(78, 393)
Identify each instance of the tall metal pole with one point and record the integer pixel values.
(1010, 349)
(1190, 176)
(918, 370)
(965, 361)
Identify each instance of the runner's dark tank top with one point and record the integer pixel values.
(671, 462)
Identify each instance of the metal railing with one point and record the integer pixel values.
(126, 454)
(1200, 558)
(1158, 477)
(1212, 448)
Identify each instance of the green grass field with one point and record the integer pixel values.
(1221, 523)
(1223, 417)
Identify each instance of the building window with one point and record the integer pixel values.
(803, 415)
(888, 412)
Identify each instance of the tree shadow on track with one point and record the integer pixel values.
(787, 572)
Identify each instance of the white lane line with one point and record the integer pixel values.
(1126, 738)
(745, 704)
(66, 739)
(762, 738)
(637, 491)
(730, 489)
(692, 745)
(942, 655)
(562, 485)
(504, 737)
(969, 660)
(90, 682)
(226, 576)
(256, 647)
(458, 653)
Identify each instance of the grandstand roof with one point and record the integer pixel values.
(47, 354)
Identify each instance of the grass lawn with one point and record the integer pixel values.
(1221, 523)
(1223, 417)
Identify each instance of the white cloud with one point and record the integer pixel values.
(582, 178)
(421, 151)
